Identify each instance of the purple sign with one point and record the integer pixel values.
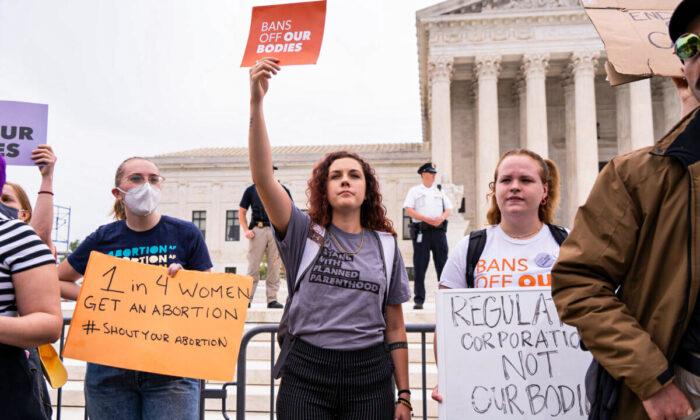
(22, 129)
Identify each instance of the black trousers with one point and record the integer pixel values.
(435, 241)
(333, 384)
(17, 397)
(40, 388)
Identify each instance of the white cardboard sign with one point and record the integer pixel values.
(505, 354)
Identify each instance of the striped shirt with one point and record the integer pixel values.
(20, 250)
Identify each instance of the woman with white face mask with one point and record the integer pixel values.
(140, 234)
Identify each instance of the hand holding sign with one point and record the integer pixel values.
(44, 157)
(291, 32)
(260, 74)
(667, 403)
(436, 394)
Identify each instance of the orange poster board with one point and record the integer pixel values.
(134, 316)
(291, 32)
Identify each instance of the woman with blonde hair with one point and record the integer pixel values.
(522, 243)
(140, 234)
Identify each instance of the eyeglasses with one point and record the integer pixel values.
(138, 179)
(687, 46)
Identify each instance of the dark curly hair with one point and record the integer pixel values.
(372, 213)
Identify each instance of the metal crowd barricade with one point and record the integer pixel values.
(59, 393)
(423, 329)
(240, 384)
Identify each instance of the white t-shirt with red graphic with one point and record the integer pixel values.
(505, 261)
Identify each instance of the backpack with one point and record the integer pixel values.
(477, 242)
(311, 253)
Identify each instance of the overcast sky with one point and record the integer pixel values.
(145, 77)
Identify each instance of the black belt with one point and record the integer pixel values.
(422, 226)
(688, 362)
(257, 223)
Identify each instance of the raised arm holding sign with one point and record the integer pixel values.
(342, 307)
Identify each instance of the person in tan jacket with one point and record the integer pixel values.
(628, 276)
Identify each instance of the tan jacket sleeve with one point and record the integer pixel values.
(592, 264)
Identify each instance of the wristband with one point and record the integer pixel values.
(405, 402)
(45, 192)
(404, 391)
(398, 345)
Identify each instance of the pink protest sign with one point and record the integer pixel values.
(22, 129)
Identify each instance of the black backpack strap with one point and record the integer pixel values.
(477, 242)
(558, 232)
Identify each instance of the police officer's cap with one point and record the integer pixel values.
(427, 167)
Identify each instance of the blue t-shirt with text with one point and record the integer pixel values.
(170, 241)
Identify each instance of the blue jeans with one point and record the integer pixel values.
(114, 393)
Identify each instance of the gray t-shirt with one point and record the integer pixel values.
(339, 302)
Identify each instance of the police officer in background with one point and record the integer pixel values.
(262, 241)
(428, 208)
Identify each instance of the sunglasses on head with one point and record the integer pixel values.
(687, 46)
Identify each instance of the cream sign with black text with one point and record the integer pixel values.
(504, 353)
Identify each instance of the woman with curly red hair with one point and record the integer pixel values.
(346, 305)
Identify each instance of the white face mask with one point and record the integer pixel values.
(142, 200)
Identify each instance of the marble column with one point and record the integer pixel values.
(439, 74)
(585, 141)
(570, 187)
(635, 119)
(520, 95)
(534, 69)
(486, 70)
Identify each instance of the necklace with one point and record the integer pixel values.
(362, 241)
(522, 236)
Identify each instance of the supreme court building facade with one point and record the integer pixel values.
(494, 75)
(502, 74)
